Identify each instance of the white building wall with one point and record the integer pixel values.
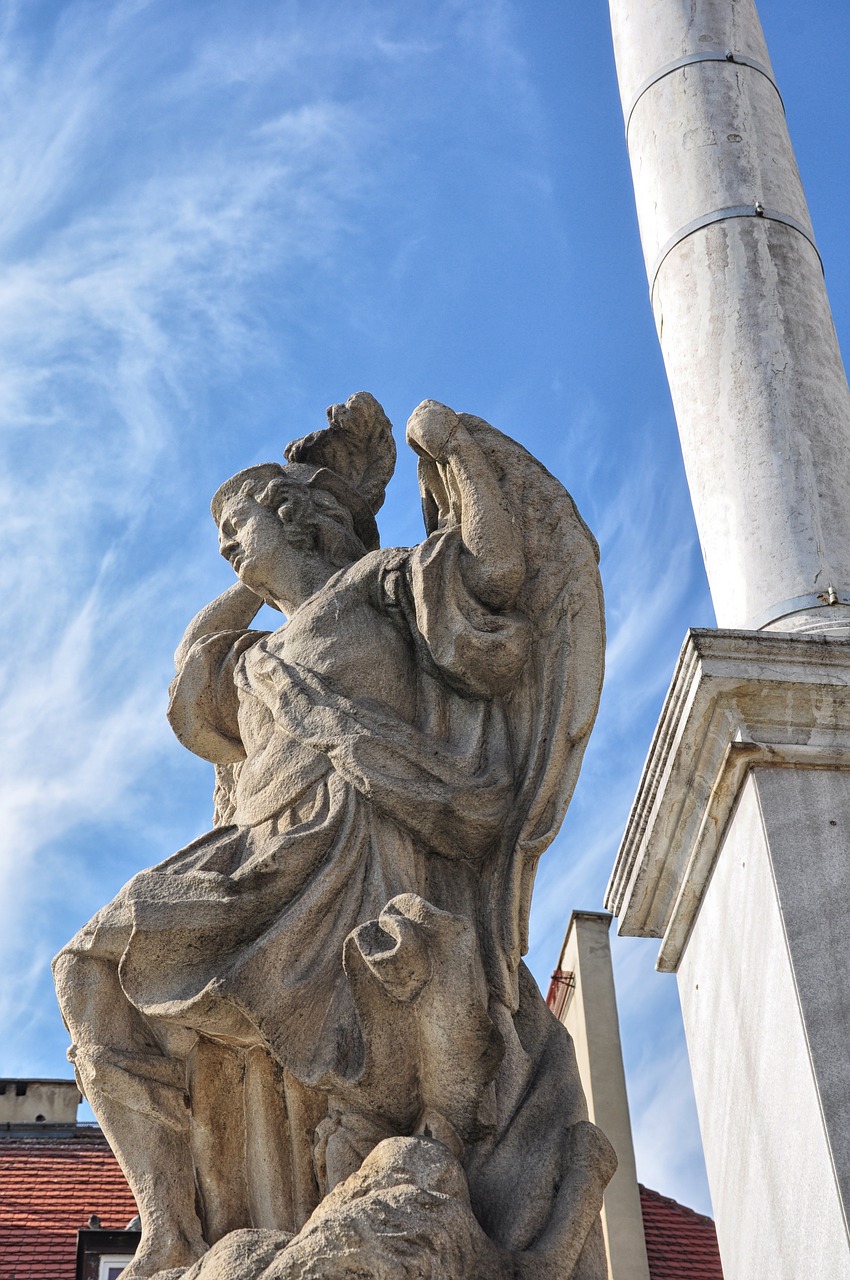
(773, 1185)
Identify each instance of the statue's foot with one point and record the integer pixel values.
(167, 1250)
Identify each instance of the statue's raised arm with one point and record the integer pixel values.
(453, 465)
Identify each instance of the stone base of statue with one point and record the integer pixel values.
(405, 1215)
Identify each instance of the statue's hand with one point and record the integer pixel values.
(234, 610)
(431, 428)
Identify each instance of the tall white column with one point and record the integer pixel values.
(741, 309)
(737, 850)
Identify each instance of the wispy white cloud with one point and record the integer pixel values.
(119, 306)
(665, 1128)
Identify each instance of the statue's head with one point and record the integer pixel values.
(315, 509)
(321, 504)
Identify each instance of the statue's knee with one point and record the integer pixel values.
(63, 971)
(82, 982)
(69, 981)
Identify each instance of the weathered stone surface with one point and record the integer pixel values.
(405, 1215)
(328, 986)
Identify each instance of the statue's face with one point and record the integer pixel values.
(253, 539)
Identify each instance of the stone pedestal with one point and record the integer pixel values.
(737, 856)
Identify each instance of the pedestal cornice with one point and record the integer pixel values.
(737, 699)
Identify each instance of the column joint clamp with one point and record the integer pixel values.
(755, 210)
(708, 55)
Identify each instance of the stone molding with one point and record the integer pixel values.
(737, 699)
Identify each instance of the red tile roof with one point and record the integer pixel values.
(680, 1244)
(49, 1187)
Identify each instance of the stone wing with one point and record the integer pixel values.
(552, 707)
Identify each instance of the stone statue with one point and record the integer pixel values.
(309, 1035)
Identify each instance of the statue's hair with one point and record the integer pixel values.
(334, 496)
(314, 518)
(357, 446)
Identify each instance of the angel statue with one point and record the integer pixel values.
(309, 1036)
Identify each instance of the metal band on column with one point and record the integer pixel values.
(756, 210)
(799, 604)
(710, 55)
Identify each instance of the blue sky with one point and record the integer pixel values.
(218, 219)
